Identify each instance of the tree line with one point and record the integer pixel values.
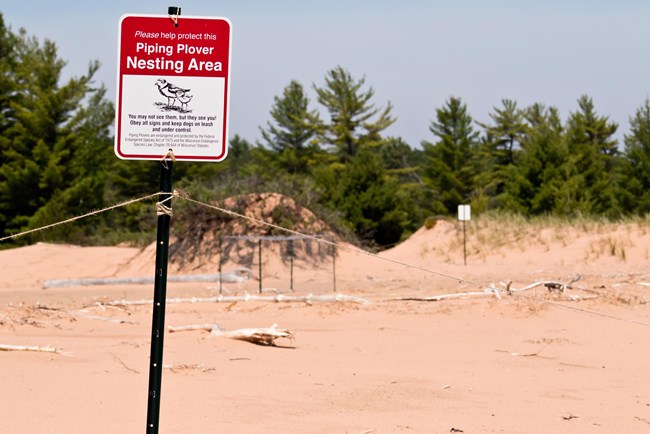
(332, 155)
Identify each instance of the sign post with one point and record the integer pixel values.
(159, 300)
(173, 79)
(464, 214)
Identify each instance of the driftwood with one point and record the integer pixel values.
(103, 318)
(193, 327)
(492, 290)
(260, 336)
(239, 275)
(280, 298)
(552, 285)
(487, 291)
(184, 366)
(6, 347)
(549, 284)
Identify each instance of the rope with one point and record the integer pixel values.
(70, 220)
(590, 312)
(162, 209)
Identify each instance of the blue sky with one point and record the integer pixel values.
(415, 54)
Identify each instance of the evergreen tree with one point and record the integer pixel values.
(543, 153)
(293, 128)
(365, 193)
(497, 154)
(637, 161)
(91, 160)
(351, 126)
(7, 79)
(448, 169)
(592, 173)
(7, 97)
(49, 128)
(506, 132)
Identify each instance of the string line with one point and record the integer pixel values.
(92, 213)
(591, 312)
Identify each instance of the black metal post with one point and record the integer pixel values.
(259, 257)
(159, 298)
(464, 244)
(291, 255)
(334, 267)
(220, 264)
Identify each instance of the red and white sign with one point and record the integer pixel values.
(172, 88)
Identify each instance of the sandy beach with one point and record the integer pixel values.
(548, 359)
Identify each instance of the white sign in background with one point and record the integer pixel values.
(190, 124)
(464, 213)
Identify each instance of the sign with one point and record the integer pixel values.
(464, 213)
(172, 88)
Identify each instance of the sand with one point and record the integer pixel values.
(530, 362)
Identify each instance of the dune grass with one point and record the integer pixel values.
(495, 232)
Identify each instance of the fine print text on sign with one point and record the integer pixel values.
(173, 88)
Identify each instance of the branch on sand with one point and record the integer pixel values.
(280, 298)
(7, 347)
(238, 275)
(260, 336)
(551, 285)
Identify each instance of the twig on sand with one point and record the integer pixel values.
(7, 347)
(124, 365)
(535, 354)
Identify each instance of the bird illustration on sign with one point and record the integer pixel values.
(172, 93)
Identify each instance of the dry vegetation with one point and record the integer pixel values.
(500, 233)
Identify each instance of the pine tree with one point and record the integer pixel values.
(506, 132)
(497, 155)
(367, 196)
(293, 128)
(448, 170)
(637, 161)
(7, 79)
(50, 140)
(351, 126)
(291, 135)
(592, 176)
(543, 152)
(7, 97)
